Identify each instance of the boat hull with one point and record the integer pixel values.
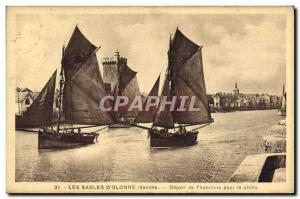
(50, 140)
(158, 139)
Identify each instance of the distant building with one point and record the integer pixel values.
(110, 71)
(112, 66)
(217, 101)
(223, 102)
(275, 101)
(236, 91)
(24, 97)
(265, 100)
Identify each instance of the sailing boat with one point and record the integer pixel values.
(40, 111)
(80, 91)
(283, 103)
(126, 85)
(184, 77)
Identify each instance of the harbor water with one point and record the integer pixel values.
(124, 154)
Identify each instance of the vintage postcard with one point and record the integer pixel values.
(150, 100)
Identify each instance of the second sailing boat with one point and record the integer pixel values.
(184, 77)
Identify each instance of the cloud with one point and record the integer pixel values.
(255, 58)
(249, 49)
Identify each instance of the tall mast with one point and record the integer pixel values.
(61, 82)
(170, 57)
(171, 71)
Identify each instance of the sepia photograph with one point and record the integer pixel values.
(150, 99)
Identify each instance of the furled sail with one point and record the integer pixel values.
(40, 112)
(83, 86)
(148, 116)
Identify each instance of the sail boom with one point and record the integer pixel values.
(83, 127)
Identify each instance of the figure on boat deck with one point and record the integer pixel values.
(182, 130)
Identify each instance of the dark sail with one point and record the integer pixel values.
(185, 77)
(148, 116)
(164, 118)
(189, 81)
(128, 86)
(185, 59)
(40, 112)
(83, 86)
(126, 75)
(181, 49)
(77, 51)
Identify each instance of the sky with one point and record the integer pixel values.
(247, 49)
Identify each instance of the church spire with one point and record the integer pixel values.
(236, 91)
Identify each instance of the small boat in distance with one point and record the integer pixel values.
(283, 103)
